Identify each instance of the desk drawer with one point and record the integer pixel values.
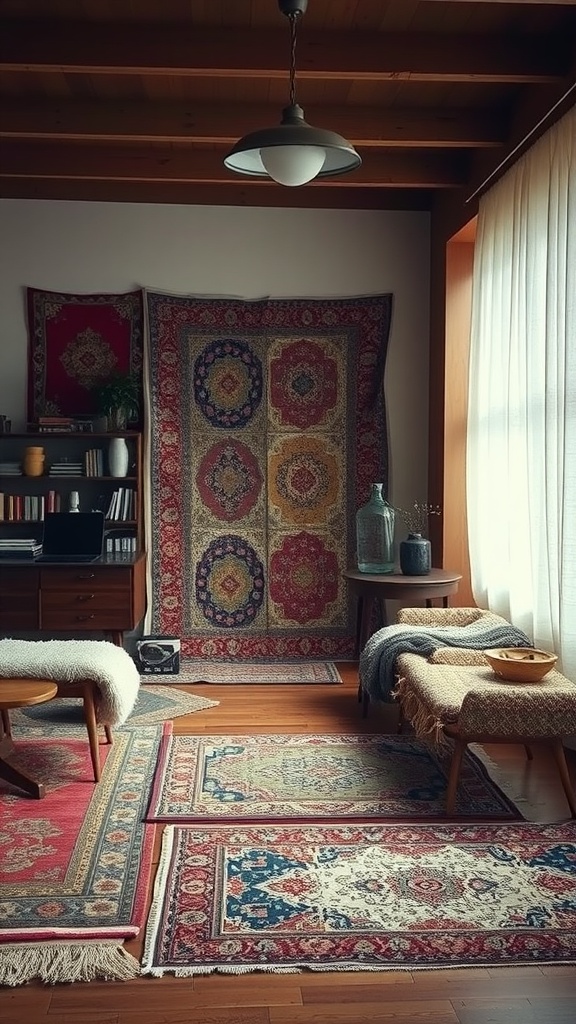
(85, 618)
(84, 598)
(86, 578)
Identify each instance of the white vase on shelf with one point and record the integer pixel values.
(74, 502)
(118, 456)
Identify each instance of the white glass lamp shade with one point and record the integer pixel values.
(293, 165)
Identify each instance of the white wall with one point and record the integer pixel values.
(102, 247)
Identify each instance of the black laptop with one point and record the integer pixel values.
(72, 537)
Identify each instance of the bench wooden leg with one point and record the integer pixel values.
(92, 727)
(7, 728)
(560, 757)
(459, 748)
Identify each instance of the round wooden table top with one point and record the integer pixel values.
(20, 693)
(434, 578)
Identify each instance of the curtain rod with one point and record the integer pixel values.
(521, 143)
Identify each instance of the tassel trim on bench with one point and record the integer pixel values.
(426, 725)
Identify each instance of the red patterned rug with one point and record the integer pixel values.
(74, 343)
(266, 430)
(75, 867)
(362, 898)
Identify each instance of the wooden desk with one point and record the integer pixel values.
(20, 693)
(105, 596)
(396, 587)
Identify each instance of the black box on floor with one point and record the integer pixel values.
(158, 655)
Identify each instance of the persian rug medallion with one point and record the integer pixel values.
(303, 777)
(75, 866)
(74, 343)
(362, 897)
(266, 429)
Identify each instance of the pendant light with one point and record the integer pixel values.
(294, 152)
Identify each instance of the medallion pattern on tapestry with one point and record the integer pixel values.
(266, 428)
(75, 342)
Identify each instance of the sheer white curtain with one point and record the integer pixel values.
(521, 447)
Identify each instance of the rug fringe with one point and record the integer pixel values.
(66, 962)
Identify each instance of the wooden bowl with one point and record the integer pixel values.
(520, 664)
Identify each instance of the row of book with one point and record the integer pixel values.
(94, 462)
(33, 507)
(28, 507)
(122, 504)
(120, 544)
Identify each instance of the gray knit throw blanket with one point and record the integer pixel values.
(377, 660)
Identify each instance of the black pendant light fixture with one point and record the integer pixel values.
(294, 152)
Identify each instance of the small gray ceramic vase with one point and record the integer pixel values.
(415, 555)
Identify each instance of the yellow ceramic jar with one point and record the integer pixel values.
(33, 462)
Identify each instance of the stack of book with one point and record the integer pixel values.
(54, 424)
(65, 468)
(10, 469)
(20, 547)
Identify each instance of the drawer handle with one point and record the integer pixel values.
(85, 597)
(84, 618)
(86, 576)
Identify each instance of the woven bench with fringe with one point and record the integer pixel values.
(453, 696)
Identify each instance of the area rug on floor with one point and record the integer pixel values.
(75, 867)
(302, 777)
(196, 670)
(156, 704)
(362, 897)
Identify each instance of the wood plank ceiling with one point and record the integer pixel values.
(139, 100)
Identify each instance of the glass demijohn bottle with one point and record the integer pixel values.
(375, 534)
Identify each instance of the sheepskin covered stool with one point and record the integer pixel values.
(99, 672)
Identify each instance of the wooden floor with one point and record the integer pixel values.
(528, 995)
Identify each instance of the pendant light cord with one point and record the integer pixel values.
(293, 17)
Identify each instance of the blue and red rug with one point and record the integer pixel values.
(362, 897)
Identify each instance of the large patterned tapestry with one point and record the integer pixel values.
(266, 428)
(76, 342)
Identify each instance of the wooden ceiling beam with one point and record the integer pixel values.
(159, 164)
(190, 194)
(144, 49)
(222, 124)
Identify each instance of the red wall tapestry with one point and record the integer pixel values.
(74, 343)
(266, 430)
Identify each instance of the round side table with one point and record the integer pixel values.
(20, 693)
(438, 583)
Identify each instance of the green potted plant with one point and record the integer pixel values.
(118, 398)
